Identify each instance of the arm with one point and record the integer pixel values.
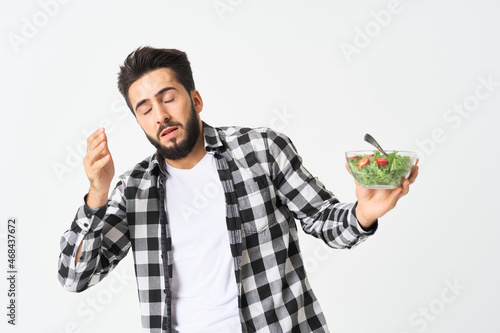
(319, 211)
(103, 238)
(373, 204)
(98, 238)
(94, 200)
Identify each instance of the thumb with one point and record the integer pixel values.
(395, 195)
(348, 170)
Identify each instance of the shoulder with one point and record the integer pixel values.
(243, 135)
(140, 172)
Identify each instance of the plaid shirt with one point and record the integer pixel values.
(266, 188)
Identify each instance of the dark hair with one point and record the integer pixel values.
(146, 59)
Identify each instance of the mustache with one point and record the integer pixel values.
(168, 124)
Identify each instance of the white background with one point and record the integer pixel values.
(278, 64)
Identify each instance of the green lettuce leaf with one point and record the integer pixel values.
(388, 175)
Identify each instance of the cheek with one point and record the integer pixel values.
(147, 128)
(185, 108)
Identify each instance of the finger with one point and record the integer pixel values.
(94, 135)
(101, 163)
(414, 171)
(97, 153)
(405, 188)
(348, 170)
(100, 149)
(94, 140)
(414, 174)
(395, 195)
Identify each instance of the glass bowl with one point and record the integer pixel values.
(372, 169)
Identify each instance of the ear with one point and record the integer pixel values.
(197, 101)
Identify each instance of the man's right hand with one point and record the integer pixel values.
(99, 168)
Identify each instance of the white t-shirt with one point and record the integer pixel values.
(204, 289)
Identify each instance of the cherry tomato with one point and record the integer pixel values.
(364, 161)
(381, 161)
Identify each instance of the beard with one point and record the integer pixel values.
(182, 149)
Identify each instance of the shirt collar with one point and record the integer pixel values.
(212, 143)
(212, 138)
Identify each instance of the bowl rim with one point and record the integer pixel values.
(413, 158)
(407, 152)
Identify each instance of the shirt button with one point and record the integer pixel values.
(85, 225)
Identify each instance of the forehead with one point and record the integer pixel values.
(152, 82)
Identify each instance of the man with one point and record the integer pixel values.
(210, 217)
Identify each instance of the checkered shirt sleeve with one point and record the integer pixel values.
(319, 211)
(105, 236)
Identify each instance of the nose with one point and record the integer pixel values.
(162, 114)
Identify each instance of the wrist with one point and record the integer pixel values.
(97, 198)
(364, 222)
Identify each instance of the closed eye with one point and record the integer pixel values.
(170, 100)
(146, 112)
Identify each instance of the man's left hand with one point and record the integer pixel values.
(374, 203)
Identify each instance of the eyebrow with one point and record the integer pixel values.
(156, 95)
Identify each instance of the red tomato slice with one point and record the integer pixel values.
(364, 161)
(381, 161)
(349, 158)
